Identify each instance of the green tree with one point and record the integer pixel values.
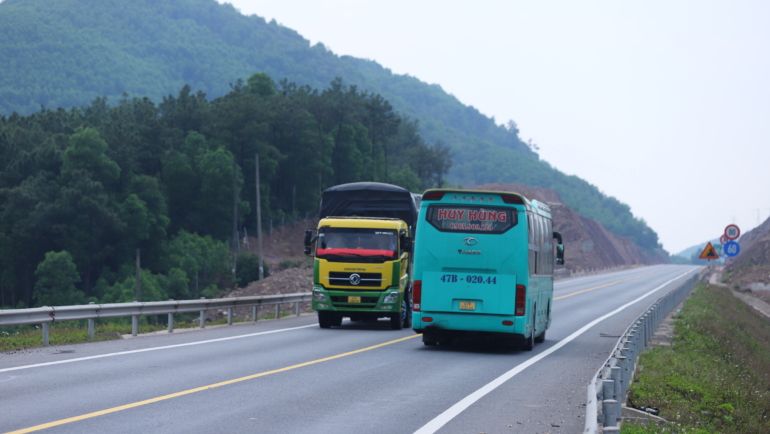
(86, 153)
(247, 269)
(124, 291)
(204, 260)
(56, 278)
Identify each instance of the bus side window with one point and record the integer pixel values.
(548, 246)
(532, 242)
(541, 257)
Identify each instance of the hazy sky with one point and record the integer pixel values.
(657, 103)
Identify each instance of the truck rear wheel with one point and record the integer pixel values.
(406, 307)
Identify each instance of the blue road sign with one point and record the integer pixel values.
(731, 249)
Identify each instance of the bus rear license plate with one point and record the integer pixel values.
(467, 305)
(354, 299)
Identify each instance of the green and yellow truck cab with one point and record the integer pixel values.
(361, 250)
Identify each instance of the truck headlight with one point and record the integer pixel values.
(318, 295)
(391, 298)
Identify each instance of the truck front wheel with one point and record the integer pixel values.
(396, 322)
(326, 319)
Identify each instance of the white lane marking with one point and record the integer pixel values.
(444, 418)
(154, 349)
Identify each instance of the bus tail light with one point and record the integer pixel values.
(521, 300)
(507, 323)
(507, 198)
(434, 195)
(416, 295)
(427, 319)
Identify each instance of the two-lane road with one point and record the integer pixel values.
(289, 376)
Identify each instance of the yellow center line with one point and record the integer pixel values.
(602, 286)
(197, 389)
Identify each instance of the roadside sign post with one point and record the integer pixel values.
(709, 253)
(731, 248)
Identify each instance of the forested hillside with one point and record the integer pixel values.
(156, 85)
(82, 189)
(65, 53)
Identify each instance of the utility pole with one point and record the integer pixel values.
(259, 221)
(138, 277)
(235, 215)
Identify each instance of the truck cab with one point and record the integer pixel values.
(361, 270)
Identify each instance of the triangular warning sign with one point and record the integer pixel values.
(709, 252)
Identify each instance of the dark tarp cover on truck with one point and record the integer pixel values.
(370, 199)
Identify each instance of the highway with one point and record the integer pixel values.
(290, 376)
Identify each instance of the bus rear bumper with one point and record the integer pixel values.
(463, 324)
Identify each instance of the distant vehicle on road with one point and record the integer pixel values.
(483, 265)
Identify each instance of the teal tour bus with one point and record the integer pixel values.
(483, 265)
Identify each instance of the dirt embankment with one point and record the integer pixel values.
(587, 243)
(290, 270)
(755, 247)
(751, 268)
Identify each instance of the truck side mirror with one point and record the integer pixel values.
(559, 248)
(407, 244)
(308, 241)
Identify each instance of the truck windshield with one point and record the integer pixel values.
(357, 244)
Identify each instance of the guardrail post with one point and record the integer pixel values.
(254, 313)
(639, 331)
(91, 325)
(609, 407)
(230, 316)
(615, 374)
(134, 325)
(45, 334)
(171, 320)
(625, 375)
(608, 389)
(277, 310)
(298, 306)
(630, 354)
(203, 316)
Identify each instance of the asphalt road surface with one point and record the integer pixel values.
(290, 376)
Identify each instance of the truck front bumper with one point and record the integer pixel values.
(341, 300)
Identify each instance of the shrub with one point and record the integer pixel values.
(247, 269)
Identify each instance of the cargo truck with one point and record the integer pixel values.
(361, 253)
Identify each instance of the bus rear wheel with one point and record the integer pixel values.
(529, 343)
(429, 340)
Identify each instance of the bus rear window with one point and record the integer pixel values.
(471, 219)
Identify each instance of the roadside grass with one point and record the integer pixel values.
(715, 378)
(17, 338)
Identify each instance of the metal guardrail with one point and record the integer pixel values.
(607, 389)
(46, 314)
